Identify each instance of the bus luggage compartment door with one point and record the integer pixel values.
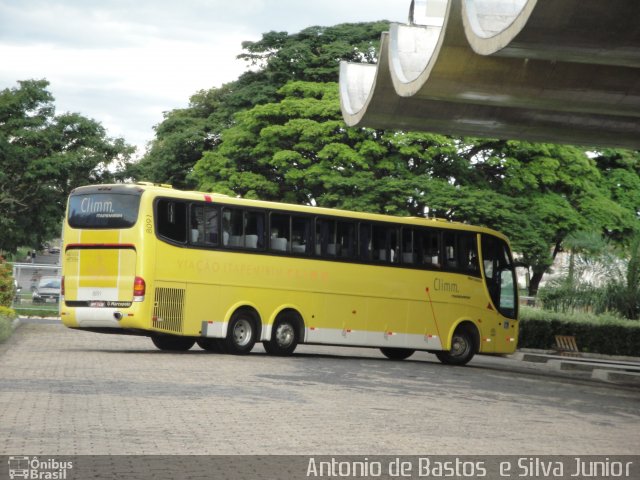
(99, 275)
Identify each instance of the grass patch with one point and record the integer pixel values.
(37, 311)
(7, 316)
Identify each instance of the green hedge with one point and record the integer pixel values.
(604, 334)
(6, 323)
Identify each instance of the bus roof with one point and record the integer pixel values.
(160, 190)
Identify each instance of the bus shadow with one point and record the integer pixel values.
(263, 354)
(299, 355)
(511, 370)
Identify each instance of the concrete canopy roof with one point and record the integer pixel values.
(559, 71)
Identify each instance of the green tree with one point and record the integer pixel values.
(298, 150)
(554, 190)
(621, 177)
(42, 158)
(313, 54)
(183, 136)
(583, 248)
(624, 293)
(7, 286)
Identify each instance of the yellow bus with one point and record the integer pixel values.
(189, 267)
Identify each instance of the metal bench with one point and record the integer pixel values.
(566, 345)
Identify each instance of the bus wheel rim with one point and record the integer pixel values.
(459, 346)
(242, 332)
(284, 335)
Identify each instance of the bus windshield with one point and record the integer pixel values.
(103, 210)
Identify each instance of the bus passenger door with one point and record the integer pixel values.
(499, 276)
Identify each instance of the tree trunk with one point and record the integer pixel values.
(536, 278)
(534, 283)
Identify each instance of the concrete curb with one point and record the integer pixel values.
(620, 378)
(617, 370)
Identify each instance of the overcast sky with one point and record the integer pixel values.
(124, 62)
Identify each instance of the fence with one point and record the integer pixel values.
(31, 277)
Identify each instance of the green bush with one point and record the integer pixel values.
(604, 334)
(7, 288)
(7, 316)
(567, 298)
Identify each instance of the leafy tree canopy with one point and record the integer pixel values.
(621, 177)
(42, 158)
(313, 54)
(553, 190)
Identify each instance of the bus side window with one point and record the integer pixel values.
(301, 238)
(172, 220)
(326, 237)
(204, 225)
(428, 245)
(450, 251)
(254, 229)
(211, 226)
(468, 254)
(393, 235)
(365, 242)
(280, 237)
(378, 244)
(232, 227)
(409, 254)
(385, 244)
(346, 239)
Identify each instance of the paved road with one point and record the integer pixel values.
(70, 392)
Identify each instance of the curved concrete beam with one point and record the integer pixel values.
(430, 77)
(369, 99)
(585, 31)
(438, 63)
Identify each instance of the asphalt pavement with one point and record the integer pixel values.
(64, 391)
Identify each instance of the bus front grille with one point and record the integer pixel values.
(168, 309)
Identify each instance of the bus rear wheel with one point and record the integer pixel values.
(462, 349)
(397, 353)
(213, 345)
(172, 343)
(284, 337)
(241, 334)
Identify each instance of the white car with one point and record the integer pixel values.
(48, 290)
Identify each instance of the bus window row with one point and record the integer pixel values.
(209, 226)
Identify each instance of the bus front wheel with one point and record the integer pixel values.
(171, 343)
(284, 337)
(242, 333)
(397, 353)
(462, 349)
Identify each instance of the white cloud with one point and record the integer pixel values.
(124, 63)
